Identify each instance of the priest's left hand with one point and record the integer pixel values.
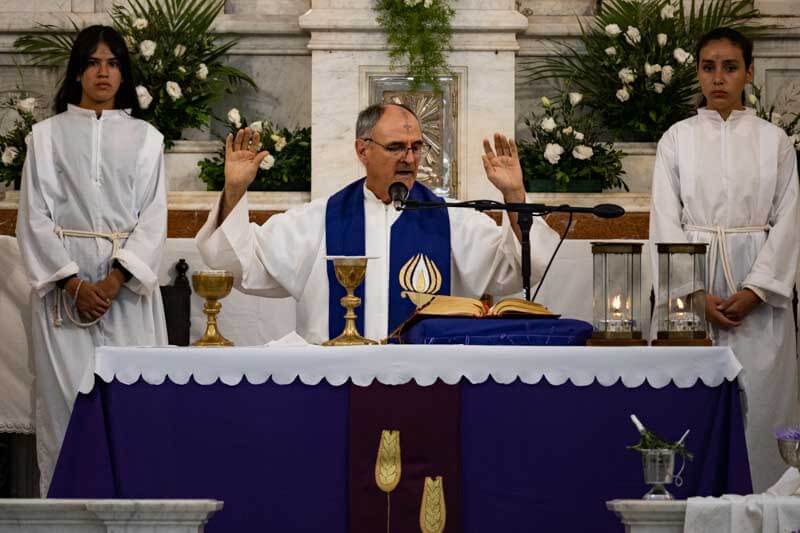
(503, 169)
(739, 305)
(111, 285)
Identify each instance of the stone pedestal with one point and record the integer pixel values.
(348, 46)
(640, 516)
(101, 516)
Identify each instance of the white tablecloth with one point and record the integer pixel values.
(397, 364)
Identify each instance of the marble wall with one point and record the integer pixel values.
(281, 41)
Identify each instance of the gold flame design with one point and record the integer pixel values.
(388, 466)
(432, 512)
(420, 274)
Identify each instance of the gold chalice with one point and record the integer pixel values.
(350, 272)
(213, 285)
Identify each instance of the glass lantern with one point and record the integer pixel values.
(681, 310)
(617, 291)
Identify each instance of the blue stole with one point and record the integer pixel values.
(424, 231)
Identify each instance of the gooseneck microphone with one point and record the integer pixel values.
(398, 192)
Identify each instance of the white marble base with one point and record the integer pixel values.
(101, 516)
(640, 516)
(181, 164)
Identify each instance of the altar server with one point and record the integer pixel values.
(91, 224)
(286, 255)
(729, 178)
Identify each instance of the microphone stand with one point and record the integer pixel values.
(525, 213)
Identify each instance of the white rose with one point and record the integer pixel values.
(257, 126)
(267, 162)
(546, 101)
(575, 98)
(280, 142)
(627, 75)
(548, 124)
(552, 153)
(611, 51)
(28, 138)
(144, 96)
(659, 87)
(202, 71)
(9, 155)
(578, 135)
(623, 95)
(662, 39)
(567, 130)
(613, 30)
(140, 24)
(668, 12)
(649, 69)
(582, 152)
(26, 105)
(633, 36)
(776, 119)
(235, 118)
(666, 74)
(752, 99)
(680, 55)
(179, 50)
(174, 90)
(147, 48)
(690, 59)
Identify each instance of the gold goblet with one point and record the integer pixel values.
(350, 272)
(213, 285)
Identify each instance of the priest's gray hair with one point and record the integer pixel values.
(370, 116)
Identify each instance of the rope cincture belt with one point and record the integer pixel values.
(114, 237)
(718, 247)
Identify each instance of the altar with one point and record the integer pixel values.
(542, 431)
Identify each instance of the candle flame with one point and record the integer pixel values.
(616, 303)
(679, 303)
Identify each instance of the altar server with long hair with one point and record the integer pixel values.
(91, 225)
(729, 178)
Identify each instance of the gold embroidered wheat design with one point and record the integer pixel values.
(388, 465)
(432, 513)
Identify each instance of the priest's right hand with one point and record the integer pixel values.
(241, 165)
(90, 300)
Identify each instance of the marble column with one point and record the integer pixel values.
(347, 47)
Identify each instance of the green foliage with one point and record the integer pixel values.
(651, 441)
(646, 84)
(561, 127)
(788, 121)
(418, 32)
(176, 61)
(13, 144)
(291, 163)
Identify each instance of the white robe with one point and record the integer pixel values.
(101, 175)
(286, 257)
(732, 174)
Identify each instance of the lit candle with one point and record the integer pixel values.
(616, 307)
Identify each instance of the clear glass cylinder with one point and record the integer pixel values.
(681, 310)
(617, 289)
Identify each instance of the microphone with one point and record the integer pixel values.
(608, 211)
(398, 192)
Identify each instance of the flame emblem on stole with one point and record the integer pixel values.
(420, 278)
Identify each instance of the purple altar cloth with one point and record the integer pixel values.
(533, 457)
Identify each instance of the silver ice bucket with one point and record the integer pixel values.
(659, 468)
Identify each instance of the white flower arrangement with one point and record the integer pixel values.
(202, 71)
(548, 124)
(582, 152)
(627, 75)
(613, 30)
(9, 155)
(553, 153)
(235, 118)
(633, 36)
(257, 126)
(623, 95)
(174, 90)
(267, 163)
(179, 50)
(26, 105)
(666, 74)
(140, 24)
(144, 96)
(147, 48)
(682, 56)
(575, 98)
(279, 140)
(662, 39)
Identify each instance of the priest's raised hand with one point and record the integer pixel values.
(242, 159)
(504, 171)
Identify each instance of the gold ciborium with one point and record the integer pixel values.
(213, 285)
(350, 272)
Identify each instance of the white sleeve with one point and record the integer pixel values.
(775, 267)
(274, 259)
(487, 258)
(141, 254)
(43, 253)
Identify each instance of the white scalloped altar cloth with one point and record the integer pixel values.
(398, 364)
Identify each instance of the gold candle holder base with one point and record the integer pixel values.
(213, 285)
(350, 272)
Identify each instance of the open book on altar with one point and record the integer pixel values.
(440, 305)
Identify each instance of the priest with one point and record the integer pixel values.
(286, 255)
